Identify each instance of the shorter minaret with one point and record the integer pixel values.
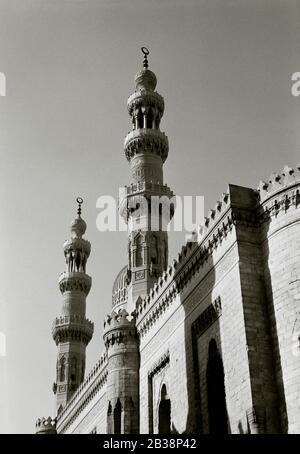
(123, 362)
(72, 331)
(45, 426)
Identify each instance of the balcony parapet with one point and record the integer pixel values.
(146, 140)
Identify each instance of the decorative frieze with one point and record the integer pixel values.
(75, 281)
(159, 364)
(280, 204)
(70, 328)
(145, 186)
(207, 318)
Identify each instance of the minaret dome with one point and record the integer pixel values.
(78, 226)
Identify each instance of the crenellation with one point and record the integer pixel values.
(278, 182)
(46, 425)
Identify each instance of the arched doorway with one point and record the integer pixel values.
(217, 412)
(117, 417)
(164, 412)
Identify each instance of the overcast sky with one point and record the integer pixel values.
(224, 69)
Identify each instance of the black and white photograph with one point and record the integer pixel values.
(150, 220)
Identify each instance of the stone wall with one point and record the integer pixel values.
(281, 248)
(238, 286)
(200, 283)
(227, 266)
(87, 409)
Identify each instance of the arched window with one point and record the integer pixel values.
(77, 261)
(153, 250)
(217, 412)
(117, 417)
(139, 251)
(73, 369)
(140, 120)
(164, 412)
(149, 120)
(62, 366)
(131, 415)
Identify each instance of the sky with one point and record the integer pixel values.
(224, 68)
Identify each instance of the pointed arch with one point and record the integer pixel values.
(73, 371)
(217, 412)
(164, 412)
(153, 250)
(150, 118)
(138, 242)
(62, 369)
(117, 417)
(109, 418)
(140, 119)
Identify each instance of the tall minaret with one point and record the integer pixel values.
(72, 331)
(145, 205)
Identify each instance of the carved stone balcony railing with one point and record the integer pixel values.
(142, 189)
(72, 327)
(152, 188)
(145, 98)
(77, 281)
(146, 140)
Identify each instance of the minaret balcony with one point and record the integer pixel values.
(145, 98)
(145, 140)
(141, 189)
(74, 281)
(149, 188)
(72, 327)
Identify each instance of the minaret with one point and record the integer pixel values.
(72, 331)
(146, 204)
(45, 426)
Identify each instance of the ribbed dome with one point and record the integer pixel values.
(145, 79)
(119, 290)
(78, 227)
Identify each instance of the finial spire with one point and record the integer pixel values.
(78, 226)
(146, 53)
(79, 200)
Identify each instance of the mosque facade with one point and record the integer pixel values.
(209, 343)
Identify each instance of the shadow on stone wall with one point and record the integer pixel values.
(203, 356)
(276, 361)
